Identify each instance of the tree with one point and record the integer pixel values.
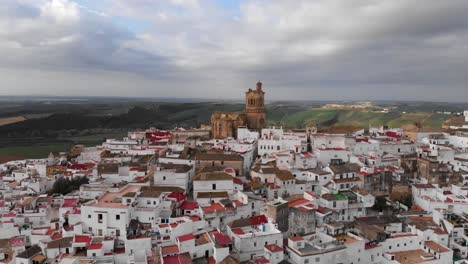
(63, 185)
(408, 201)
(380, 204)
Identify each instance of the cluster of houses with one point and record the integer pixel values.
(337, 195)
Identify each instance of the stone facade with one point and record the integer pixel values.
(255, 108)
(225, 124)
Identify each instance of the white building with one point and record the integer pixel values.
(251, 235)
(175, 175)
(276, 140)
(326, 155)
(213, 182)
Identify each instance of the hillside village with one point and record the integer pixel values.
(235, 191)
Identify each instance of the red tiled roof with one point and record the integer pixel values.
(56, 236)
(77, 166)
(238, 231)
(186, 237)
(188, 205)
(214, 207)
(171, 260)
(82, 239)
(298, 202)
(346, 180)
(238, 202)
(95, 246)
(178, 196)
(69, 202)
(261, 260)
(393, 134)
(170, 249)
(237, 180)
(18, 241)
(273, 248)
(258, 220)
(222, 239)
(296, 238)
(424, 186)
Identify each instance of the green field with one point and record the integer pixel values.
(357, 118)
(312, 116)
(34, 151)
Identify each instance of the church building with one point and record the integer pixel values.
(225, 124)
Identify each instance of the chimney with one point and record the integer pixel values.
(259, 86)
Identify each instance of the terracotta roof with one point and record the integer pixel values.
(424, 186)
(346, 180)
(30, 252)
(345, 168)
(179, 168)
(213, 176)
(218, 156)
(284, 175)
(229, 260)
(65, 242)
(254, 220)
(411, 256)
(436, 246)
(212, 195)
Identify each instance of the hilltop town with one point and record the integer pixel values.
(239, 191)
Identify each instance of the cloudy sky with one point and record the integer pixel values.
(300, 49)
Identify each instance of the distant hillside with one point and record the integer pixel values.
(357, 118)
(90, 122)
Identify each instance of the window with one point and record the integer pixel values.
(213, 187)
(317, 259)
(164, 178)
(255, 244)
(89, 216)
(306, 261)
(100, 218)
(117, 217)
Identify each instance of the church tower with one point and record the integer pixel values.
(255, 108)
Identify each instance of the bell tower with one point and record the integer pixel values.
(255, 108)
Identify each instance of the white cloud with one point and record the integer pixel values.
(61, 11)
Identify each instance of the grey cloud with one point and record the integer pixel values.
(306, 49)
